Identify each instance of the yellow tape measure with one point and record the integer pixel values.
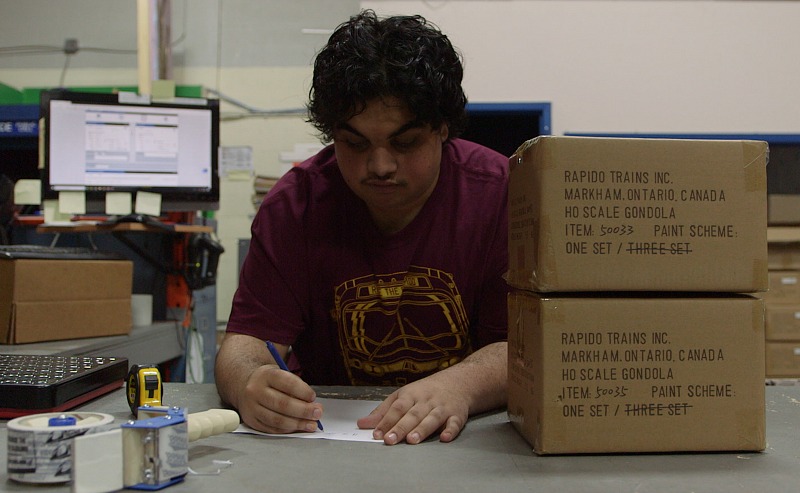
(143, 387)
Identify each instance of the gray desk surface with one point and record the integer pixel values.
(151, 344)
(488, 456)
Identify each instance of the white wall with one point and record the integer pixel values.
(630, 66)
(264, 88)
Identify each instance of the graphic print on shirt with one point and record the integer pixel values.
(396, 328)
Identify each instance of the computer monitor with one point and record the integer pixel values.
(98, 143)
(504, 126)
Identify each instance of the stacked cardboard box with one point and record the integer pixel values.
(783, 304)
(628, 329)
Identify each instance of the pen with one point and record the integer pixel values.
(277, 357)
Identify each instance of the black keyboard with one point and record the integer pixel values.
(55, 253)
(32, 384)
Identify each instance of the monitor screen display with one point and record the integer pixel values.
(99, 143)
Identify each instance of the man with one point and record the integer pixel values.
(379, 261)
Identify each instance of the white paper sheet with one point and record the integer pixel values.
(339, 420)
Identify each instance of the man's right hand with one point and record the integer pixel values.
(267, 398)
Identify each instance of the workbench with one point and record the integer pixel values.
(489, 455)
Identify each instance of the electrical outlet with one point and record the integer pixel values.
(70, 46)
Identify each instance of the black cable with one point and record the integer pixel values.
(64, 71)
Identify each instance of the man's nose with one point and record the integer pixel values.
(381, 163)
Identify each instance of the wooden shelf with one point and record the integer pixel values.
(96, 228)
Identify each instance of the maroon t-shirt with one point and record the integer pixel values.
(362, 308)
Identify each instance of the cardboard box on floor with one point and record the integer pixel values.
(637, 373)
(47, 300)
(608, 214)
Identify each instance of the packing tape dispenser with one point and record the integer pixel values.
(97, 456)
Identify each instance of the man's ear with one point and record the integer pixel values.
(444, 132)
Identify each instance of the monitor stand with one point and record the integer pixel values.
(144, 219)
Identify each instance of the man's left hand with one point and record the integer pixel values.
(442, 401)
(417, 410)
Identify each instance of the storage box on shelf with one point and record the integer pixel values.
(782, 330)
(783, 209)
(50, 300)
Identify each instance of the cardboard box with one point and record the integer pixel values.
(782, 322)
(783, 209)
(47, 300)
(605, 214)
(783, 359)
(783, 248)
(636, 373)
(784, 287)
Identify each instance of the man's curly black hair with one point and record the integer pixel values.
(403, 56)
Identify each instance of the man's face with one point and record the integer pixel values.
(389, 160)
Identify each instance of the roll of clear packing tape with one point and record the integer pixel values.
(40, 445)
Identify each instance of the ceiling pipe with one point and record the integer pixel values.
(153, 31)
